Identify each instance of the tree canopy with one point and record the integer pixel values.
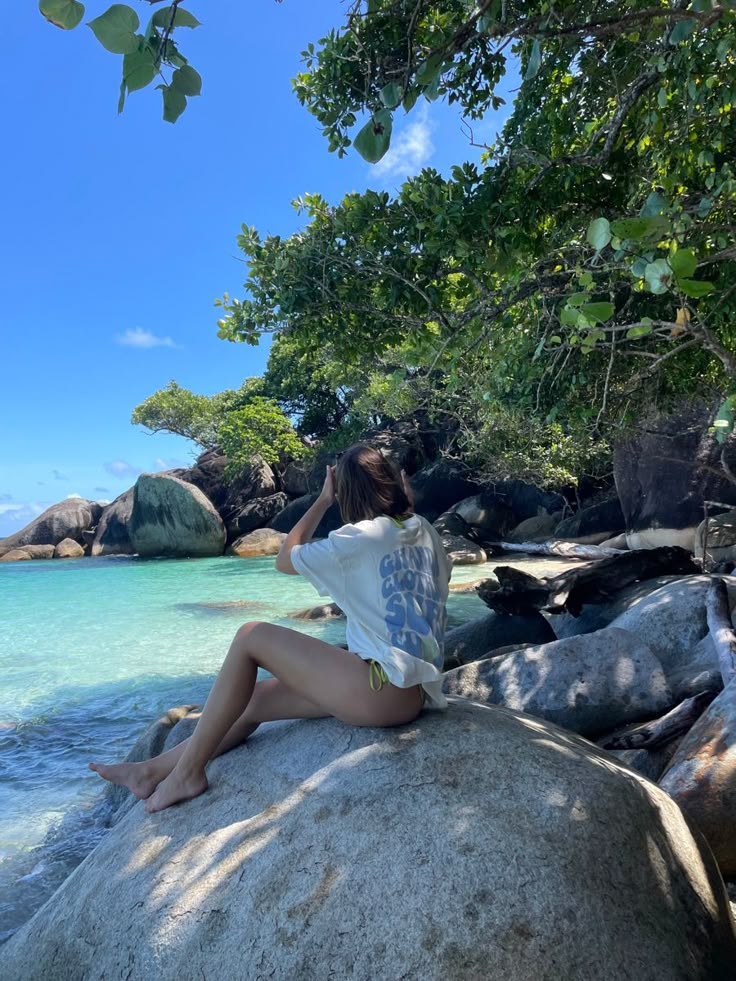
(578, 270)
(582, 269)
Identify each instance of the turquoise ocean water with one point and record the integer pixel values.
(91, 652)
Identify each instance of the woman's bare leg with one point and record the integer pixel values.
(329, 677)
(271, 700)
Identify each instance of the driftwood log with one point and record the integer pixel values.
(565, 550)
(721, 630)
(518, 592)
(658, 732)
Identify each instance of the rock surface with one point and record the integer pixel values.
(537, 529)
(461, 551)
(286, 519)
(489, 516)
(68, 549)
(67, 519)
(587, 684)
(702, 777)
(256, 514)
(17, 555)
(112, 536)
(477, 638)
(515, 851)
(671, 620)
(593, 525)
(263, 541)
(172, 518)
(664, 474)
(721, 538)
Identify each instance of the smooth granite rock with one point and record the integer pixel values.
(256, 514)
(172, 518)
(67, 519)
(262, 541)
(112, 536)
(588, 684)
(671, 620)
(478, 638)
(16, 555)
(701, 777)
(472, 844)
(68, 549)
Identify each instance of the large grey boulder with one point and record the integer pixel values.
(256, 514)
(488, 515)
(478, 638)
(172, 518)
(594, 524)
(588, 684)
(670, 620)
(67, 519)
(257, 480)
(68, 549)
(208, 474)
(471, 844)
(112, 536)
(664, 474)
(701, 777)
(286, 519)
(254, 545)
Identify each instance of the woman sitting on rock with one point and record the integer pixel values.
(387, 570)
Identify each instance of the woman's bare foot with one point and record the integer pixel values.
(175, 788)
(141, 779)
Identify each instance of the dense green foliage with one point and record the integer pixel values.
(580, 272)
(243, 422)
(584, 270)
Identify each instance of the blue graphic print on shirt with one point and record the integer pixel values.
(415, 614)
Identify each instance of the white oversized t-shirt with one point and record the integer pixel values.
(391, 581)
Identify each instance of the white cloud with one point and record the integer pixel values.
(13, 517)
(137, 337)
(120, 468)
(72, 497)
(410, 149)
(160, 464)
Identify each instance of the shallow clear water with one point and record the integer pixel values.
(91, 652)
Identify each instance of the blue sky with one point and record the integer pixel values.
(119, 231)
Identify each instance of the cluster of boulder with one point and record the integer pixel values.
(662, 479)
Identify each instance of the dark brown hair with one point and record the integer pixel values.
(368, 484)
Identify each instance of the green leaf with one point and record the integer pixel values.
(115, 29)
(658, 276)
(65, 14)
(598, 311)
(391, 94)
(636, 229)
(684, 263)
(662, 98)
(187, 81)
(577, 299)
(374, 139)
(639, 267)
(694, 288)
(175, 102)
(724, 420)
(182, 18)
(599, 233)
(682, 30)
(138, 69)
(641, 330)
(412, 94)
(535, 61)
(654, 205)
(570, 316)
(429, 69)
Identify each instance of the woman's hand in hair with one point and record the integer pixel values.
(327, 494)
